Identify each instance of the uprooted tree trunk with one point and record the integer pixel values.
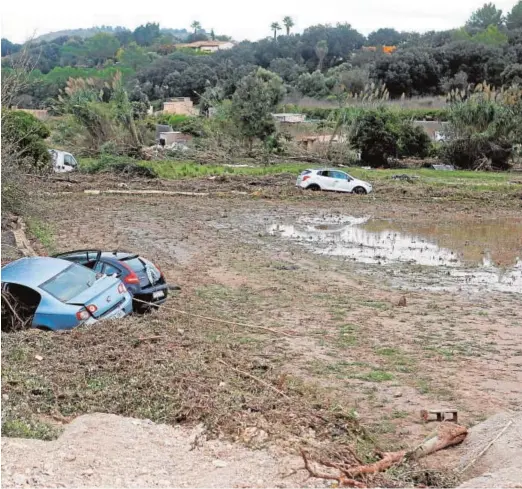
(447, 435)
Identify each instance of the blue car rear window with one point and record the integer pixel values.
(71, 282)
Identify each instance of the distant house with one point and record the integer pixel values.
(385, 49)
(314, 142)
(207, 46)
(289, 118)
(174, 138)
(179, 105)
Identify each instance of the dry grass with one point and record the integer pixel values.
(169, 370)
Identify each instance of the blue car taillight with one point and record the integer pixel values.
(82, 314)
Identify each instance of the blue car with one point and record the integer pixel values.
(58, 294)
(143, 279)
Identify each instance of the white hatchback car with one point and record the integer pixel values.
(329, 179)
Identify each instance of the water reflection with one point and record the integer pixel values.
(354, 239)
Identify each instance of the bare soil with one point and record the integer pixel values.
(104, 450)
(383, 350)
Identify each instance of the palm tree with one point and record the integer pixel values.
(275, 27)
(288, 23)
(196, 26)
(321, 50)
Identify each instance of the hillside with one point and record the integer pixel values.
(91, 31)
(324, 63)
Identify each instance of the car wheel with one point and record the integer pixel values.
(314, 186)
(359, 190)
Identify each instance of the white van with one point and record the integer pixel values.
(63, 161)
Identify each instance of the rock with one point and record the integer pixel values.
(402, 302)
(38, 357)
(88, 472)
(397, 394)
(19, 479)
(219, 463)
(70, 457)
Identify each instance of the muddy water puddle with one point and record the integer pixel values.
(484, 254)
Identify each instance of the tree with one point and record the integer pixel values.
(196, 26)
(212, 34)
(275, 27)
(124, 36)
(26, 134)
(479, 61)
(512, 74)
(412, 71)
(313, 85)
(288, 23)
(101, 47)
(321, 50)
(145, 35)
(514, 18)
(133, 56)
(379, 135)
(342, 41)
(373, 137)
(385, 37)
(253, 103)
(485, 16)
(288, 69)
(492, 36)
(9, 48)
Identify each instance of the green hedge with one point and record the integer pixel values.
(404, 114)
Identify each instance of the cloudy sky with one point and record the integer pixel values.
(240, 19)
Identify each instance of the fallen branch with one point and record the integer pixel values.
(342, 481)
(388, 459)
(448, 434)
(150, 338)
(253, 377)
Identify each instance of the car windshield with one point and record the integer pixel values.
(71, 282)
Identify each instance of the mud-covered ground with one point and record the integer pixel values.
(392, 337)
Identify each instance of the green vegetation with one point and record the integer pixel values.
(311, 63)
(256, 97)
(485, 128)
(351, 112)
(42, 232)
(25, 135)
(379, 136)
(177, 170)
(23, 428)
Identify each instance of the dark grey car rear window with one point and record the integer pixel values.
(136, 264)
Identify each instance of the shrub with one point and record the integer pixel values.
(380, 134)
(374, 137)
(484, 129)
(121, 165)
(478, 152)
(26, 134)
(413, 141)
